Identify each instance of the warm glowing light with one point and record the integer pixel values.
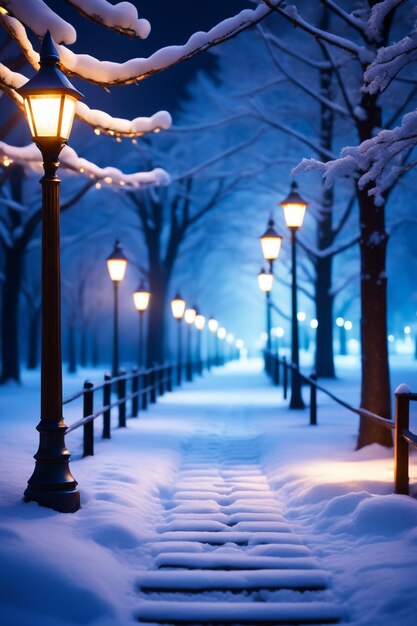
(348, 325)
(239, 344)
(294, 208)
(314, 324)
(230, 338)
(222, 332)
(178, 307)
(108, 179)
(7, 161)
(116, 263)
(97, 131)
(265, 281)
(3, 11)
(98, 185)
(213, 325)
(270, 242)
(301, 316)
(141, 298)
(199, 321)
(189, 315)
(407, 330)
(340, 322)
(264, 336)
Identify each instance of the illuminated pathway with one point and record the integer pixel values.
(223, 553)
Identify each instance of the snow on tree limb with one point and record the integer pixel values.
(375, 163)
(122, 17)
(109, 73)
(39, 17)
(390, 61)
(30, 157)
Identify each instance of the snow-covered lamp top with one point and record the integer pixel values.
(49, 97)
(178, 307)
(270, 242)
(294, 208)
(213, 325)
(116, 263)
(189, 315)
(141, 298)
(222, 332)
(265, 281)
(199, 321)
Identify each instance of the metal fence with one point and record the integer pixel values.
(404, 440)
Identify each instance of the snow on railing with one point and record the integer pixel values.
(404, 439)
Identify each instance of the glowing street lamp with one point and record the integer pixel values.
(141, 299)
(199, 323)
(294, 208)
(116, 264)
(340, 323)
(189, 317)
(271, 244)
(50, 100)
(178, 309)
(266, 282)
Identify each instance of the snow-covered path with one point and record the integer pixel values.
(218, 486)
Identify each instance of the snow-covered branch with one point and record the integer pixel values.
(122, 17)
(331, 251)
(30, 157)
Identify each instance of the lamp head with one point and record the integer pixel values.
(141, 297)
(178, 307)
(294, 208)
(270, 242)
(265, 281)
(116, 263)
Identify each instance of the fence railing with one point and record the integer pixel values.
(404, 439)
(129, 393)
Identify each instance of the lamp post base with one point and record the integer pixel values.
(52, 484)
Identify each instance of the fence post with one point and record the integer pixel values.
(169, 377)
(145, 384)
(135, 389)
(152, 383)
(276, 370)
(402, 422)
(88, 403)
(106, 402)
(121, 394)
(285, 377)
(162, 370)
(313, 400)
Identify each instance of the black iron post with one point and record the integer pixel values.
(189, 365)
(268, 322)
(52, 483)
(141, 344)
(199, 354)
(115, 366)
(179, 353)
(296, 401)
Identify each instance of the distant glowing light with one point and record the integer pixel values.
(230, 338)
(264, 336)
(391, 338)
(407, 330)
(314, 323)
(279, 331)
(108, 179)
(98, 185)
(340, 322)
(348, 325)
(97, 131)
(301, 316)
(239, 344)
(222, 332)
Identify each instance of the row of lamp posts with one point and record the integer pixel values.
(294, 210)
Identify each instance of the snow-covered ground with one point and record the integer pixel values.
(85, 568)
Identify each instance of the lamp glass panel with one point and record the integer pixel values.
(29, 117)
(117, 269)
(68, 113)
(45, 115)
(178, 308)
(294, 214)
(265, 282)
(141, 300)
(189, 316)
(213, 325)
(200, 320)
(271, 247)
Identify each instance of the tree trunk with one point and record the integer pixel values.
(83, 346)
(33, 340)
(375, 389)
(156, 322)
(10, 316)
(72, 362)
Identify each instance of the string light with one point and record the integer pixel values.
(97, 131)
(98, 185)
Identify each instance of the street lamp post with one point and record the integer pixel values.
(141, 299)
(178, 308)
(189, 317)
(50, 101)
(116, 264)
(265, 282)
(213, 326)
(294, 209)
(199, 322)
